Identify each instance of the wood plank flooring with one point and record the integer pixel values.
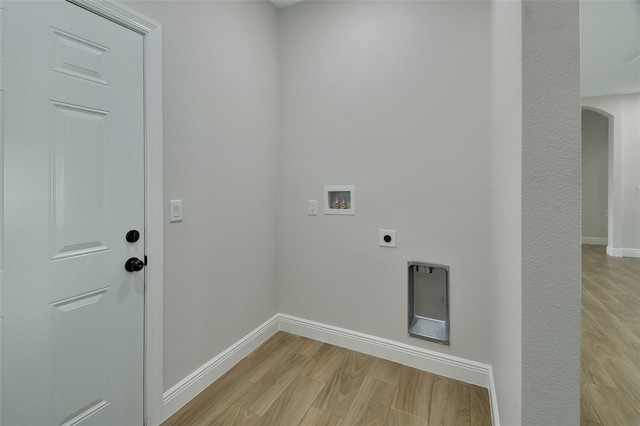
(291, 380)
(610, 372)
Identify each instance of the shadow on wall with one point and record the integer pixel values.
(595, 177)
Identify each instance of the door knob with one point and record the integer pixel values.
(133, 236)
(133, 264)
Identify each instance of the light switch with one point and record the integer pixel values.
(313, 207)
(175, 209)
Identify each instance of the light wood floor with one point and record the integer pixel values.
(610, 339)
(291, 380)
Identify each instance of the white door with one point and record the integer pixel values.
(74, 187)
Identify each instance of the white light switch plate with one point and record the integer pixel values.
(387, 238)
(313, 207)
(175, 210)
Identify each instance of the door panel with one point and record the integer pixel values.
(79, 180)
(80, 58)
(80, 329)
(74, 186)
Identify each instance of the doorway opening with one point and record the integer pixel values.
(597, 205)
(610, 80)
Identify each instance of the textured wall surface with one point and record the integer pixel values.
(221, 120)
(551, 213)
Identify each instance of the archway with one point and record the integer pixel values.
(614, 177)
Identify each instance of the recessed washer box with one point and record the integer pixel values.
(340, 199)
(429, 301)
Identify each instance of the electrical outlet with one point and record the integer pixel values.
(387, 238)
(313, 207)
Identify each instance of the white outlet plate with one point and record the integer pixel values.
(387, 238)
(175, 210)
(313, 207)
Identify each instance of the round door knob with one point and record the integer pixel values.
(133, 264)
(133, 236)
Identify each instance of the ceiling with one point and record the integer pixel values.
(610, 47)
(283, 3)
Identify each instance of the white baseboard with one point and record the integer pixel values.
(595, 241)
(630, 252)
(493, 399)
(438, 363)
(623, 252)
(423, 359)
(614, 252)
(184, 391)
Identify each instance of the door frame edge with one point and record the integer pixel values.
(154, 196)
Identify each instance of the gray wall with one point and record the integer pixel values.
(393, 98)
(373, 95)
(221, 112)
(550, 213)
(631, 173)
(506, 207)
(595, 177)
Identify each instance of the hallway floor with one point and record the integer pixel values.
(610, 376)
(291, 380)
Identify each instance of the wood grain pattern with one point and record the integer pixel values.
(309, 347)
(587, 410)
(610, 404)
(372, 403)
(214, 402)
(414, 392)
(237, 416)
(343, 386)
(387, 371)
(398, 418)
(268, 354)
(291, 380)
(263, 358)
(272, 384)
(610, 357)
(317, 417)
(480, 411)
(291, 407)
(324, 363)
(450, 403)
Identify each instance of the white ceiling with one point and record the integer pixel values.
(610, 46)
(283, 3)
